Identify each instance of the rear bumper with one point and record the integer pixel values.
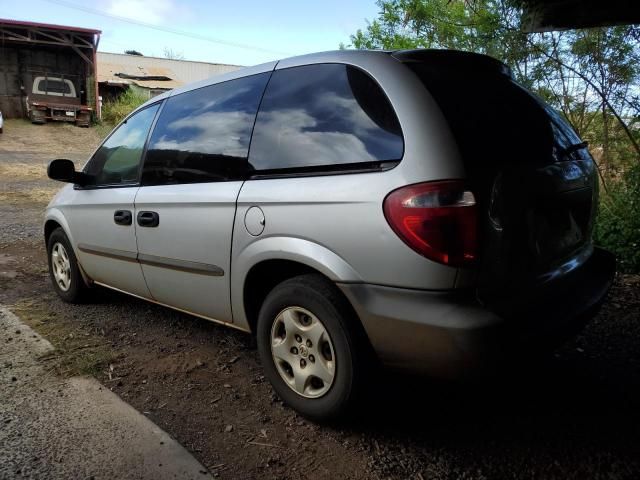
(450, 334)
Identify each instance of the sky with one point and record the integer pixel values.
(232, 32)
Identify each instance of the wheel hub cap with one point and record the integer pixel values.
(61, 266)
(302, 352)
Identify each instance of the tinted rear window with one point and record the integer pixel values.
(322, 116)
(54, 86)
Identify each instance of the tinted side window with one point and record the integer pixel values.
(203, 135)
(117, 161)
(324, 115)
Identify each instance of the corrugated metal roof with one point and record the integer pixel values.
(108, 73)
(180, 71)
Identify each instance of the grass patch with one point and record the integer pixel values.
(40, 196)
(103, 129)
(23, 171)
(77, 351)
(618, 223)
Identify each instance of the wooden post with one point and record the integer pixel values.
(95, 77)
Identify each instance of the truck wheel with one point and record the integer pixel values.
(63, 268)
(308, 347)
(82, 120)
(35, 119)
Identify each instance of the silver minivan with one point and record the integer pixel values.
(417, 209)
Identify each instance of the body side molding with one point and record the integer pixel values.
(171, 263)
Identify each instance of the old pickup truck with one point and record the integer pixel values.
(55, 98)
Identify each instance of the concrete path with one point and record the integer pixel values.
(74, 428)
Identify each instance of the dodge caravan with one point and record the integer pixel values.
(419, 209)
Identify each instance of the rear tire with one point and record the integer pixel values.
(64, 270)
(308, 346)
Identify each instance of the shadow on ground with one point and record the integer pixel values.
(573, 414)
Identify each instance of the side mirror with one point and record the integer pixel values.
(63, 170)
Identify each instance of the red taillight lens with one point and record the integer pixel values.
(436, 219)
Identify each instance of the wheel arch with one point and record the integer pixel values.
(262, 278)
(266, 275)
(267, 262)
(49, 226)
(55, 219)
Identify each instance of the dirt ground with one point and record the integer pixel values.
(573, 415)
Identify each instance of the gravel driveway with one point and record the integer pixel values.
(573, 415)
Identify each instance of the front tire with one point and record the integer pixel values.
(63, 268)
(309, 348)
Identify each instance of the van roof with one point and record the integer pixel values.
(438, 57)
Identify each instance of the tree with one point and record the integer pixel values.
(171, 55)
(610, 61)
(133, 52)
(581, 72)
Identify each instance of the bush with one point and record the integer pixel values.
(113, 112)
(618, 223)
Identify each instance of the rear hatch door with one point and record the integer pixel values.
(534, 180)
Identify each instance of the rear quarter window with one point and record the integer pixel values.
(323, 116)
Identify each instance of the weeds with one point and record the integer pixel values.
(618, 223)
(113, 112)
(77, 352)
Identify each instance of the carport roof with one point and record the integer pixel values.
(32, 33)
(546, 15)
(50, 26)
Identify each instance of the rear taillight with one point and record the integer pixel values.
(436, 219)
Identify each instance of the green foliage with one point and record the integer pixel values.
(618, 224)
(113, 112)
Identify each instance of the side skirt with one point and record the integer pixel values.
(227, 324)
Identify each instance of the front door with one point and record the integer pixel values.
(101, 215)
